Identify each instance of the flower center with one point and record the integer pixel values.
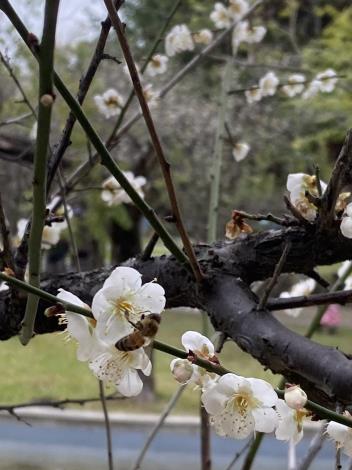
(112, 102)
(243, 402)
(124, 307)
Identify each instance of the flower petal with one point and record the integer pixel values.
(150, 298)
(194, 341)
(123, 278)
(266, 419)
(131, 385)
(263, 391)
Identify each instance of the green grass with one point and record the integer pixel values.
(47, 367)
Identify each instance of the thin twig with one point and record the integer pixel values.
(268, 217)
(205, 438)
(148, 250)
(6, 62)
(215, 172)
(276, 274)
(238, 455)
(6, 253)
(167, 410)
(318, 278)
(252, 451)
(74, 247)
(295, 212)
(314, 447)
(340, 297)
(107, 425)
(46, 100)
(164, 164)
(16, 120)
(317, 180)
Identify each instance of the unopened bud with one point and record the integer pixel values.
(182, 370)
(295, 397)
(47, 100)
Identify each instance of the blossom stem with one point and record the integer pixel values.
(46, 100)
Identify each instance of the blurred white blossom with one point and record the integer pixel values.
(253, 95)
(113, 194)
(346, 223)
(238, 8)
(221, 16)
(268, 84)
(157, 65)
(240, 151)
(179, 39)
(328, 80)
(204, 36)
(151, 96)
(109, 103)
(299, 289)
(244, 32)
(295, 85)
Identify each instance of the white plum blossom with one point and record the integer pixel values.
(179, 39)
(123, 299)
(3, 286)
(328, 80)
(346, 223)
(342, 435)
(312, 90)
(184, 371)
(157, 65)
(299, 289)
(33, 131)
(204, 36)
(268, 84)
(238, 8)
(120, 368)
(240, 151)
(200, 345)
(109, 103)
(238, 406)
(79, 327)
(253, 95)
(151, 96)
(113, 194)
(297, 185)
(244, 32)
(221, 16)
(295, 397)
(295, 85)
(290, 425)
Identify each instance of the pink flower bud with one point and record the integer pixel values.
(182, 370)
(295, 397)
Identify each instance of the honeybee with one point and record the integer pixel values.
(144, 332)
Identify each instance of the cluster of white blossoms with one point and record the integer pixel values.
(323, 82)
(296, 84)
(119, 305)
(51, 233)
(300, 184)
(239, 406)
(302, 288)
(113, 194)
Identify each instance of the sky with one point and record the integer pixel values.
(74, 20)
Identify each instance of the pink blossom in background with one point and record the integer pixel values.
(332, 317)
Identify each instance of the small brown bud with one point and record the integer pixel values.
(47, 100)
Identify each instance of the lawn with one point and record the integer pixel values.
(47, 367)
